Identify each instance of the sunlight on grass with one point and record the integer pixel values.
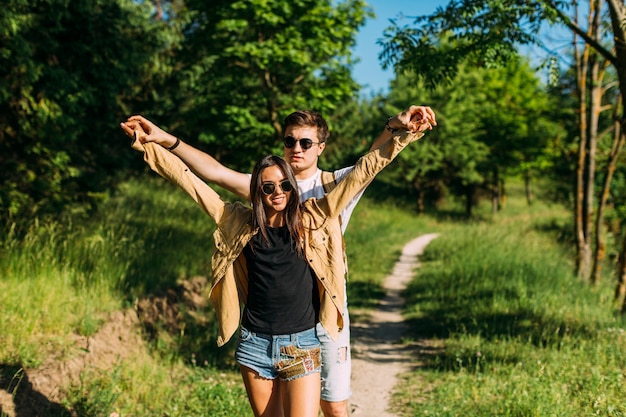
(512, 331)
(44, 299)
(522, 335)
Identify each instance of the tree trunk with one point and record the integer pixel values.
(616, 11)
(595, 108)
(581, 200)
(620, 288)
(420, 201)
(469, 200)
(528, 188)
(616, 148)
(271, 105)
(495, 193)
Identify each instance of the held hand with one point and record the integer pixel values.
(415, 119)
(147, 131)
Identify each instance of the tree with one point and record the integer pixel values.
(64, 70)
(493, 123)
(449, 162)
(250, 63)
(219, 73)
(514, 121)
(489, 32)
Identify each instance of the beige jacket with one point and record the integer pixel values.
(323, 238)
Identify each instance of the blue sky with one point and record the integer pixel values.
(368, 72)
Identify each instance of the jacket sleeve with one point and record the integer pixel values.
(172, 168)
(364, 172)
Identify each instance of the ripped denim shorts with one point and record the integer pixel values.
(286, 357)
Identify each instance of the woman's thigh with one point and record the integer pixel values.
(301, 396)
(263, 394)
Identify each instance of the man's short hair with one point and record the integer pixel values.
(308, 118)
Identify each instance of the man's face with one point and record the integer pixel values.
(299, 158)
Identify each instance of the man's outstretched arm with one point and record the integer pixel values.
(201, 163)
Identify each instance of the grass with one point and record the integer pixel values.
(61, 279)
(519, 335)
(514, 333)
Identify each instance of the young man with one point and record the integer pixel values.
(305, 137)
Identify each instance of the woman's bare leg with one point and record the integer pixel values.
(301, 396)
(263, 394)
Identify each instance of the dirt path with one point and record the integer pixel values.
(378, 356)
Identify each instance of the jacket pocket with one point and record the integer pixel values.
(220, 241)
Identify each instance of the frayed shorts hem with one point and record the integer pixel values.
(286, 357)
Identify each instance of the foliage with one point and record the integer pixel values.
(63, 71)
(250, 63)
(483, 32)
(354, 126)
(222, 74)
(492, 123)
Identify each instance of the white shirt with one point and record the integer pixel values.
(312, 187)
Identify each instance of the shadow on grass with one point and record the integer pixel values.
(560, 230)
(27, 402)
(364, 294)
(456, 317)
(179, 321)
(156, 271)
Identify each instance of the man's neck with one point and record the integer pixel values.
(306, 174)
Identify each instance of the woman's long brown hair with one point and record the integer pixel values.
(292, 215)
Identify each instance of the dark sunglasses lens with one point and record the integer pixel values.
(286, 186)
(289, 142)
(306, 143)
(268, 188)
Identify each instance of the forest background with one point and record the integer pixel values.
(222, 75)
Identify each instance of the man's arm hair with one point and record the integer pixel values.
(382, 138)
(212, 171)
(202, 164)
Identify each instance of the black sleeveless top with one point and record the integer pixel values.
(283, 296)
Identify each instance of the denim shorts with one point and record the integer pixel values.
(286, 357)
(336, 363)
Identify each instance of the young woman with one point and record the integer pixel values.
(282, 306)
(283, 261)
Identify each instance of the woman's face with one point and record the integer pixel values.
(276, 201)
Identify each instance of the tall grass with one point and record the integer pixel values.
(516, 333)
(49, 289)
(61, 279)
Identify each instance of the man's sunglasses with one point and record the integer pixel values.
(268, 188)
(305, 143)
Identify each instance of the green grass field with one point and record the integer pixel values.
(514, 333)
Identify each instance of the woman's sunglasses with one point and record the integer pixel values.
(305, 143)
(268, 188)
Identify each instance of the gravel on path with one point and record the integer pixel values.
(378, 355)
